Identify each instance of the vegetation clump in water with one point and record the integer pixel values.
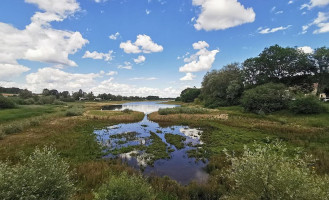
(176, 140)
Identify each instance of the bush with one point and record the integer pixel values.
(127, 111)
(43, 176)
(46, 100)
(269, 172)
(125, 187)
(6, 103)
(265, 98)
(74, 111)
(182, 110)
(12, 128)
(29, 101)
(306, 105)
(57, 102)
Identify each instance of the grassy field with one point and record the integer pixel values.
(224, 128)
(24, 112)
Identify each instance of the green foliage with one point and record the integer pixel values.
(46, 100)
(182, 110)
(276, 64)
(265, 98)
(306, 105)
(74, 111)
(57, 102)
(6, 103)
(269, 172)
(25, 94)
(189, 94)
(223, 87)
(176, 140)
(125, 187)
(322, 57)
(128, 111)
(44, 175)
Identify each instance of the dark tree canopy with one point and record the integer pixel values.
(321, 56)
(222, 87)
(189, 94)
(276, 64)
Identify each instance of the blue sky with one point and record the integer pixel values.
(145, 47)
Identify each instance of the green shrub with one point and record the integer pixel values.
(265, 98)
(44, 175)
(74, 111)
(6, 103)
(46, 100)
(12, 128)
(29, 101)
(306, 105)
(271, 172)
(125, 187)
(182, 110)
(57, 102)
(127, 111)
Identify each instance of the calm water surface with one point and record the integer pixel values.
(179, 166)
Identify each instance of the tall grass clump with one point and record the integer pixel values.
(42, 175)
(182, 110)
(74, 111)
(269, 172)
(124, 186)
(306, 105)
(6, 103)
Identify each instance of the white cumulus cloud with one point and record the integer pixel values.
(98, 56)
(8, 71)
(127, 65)
(315, 3)
(273, 30)
(222, 14)
(188, 77)
(143, 44)
(322, 22)
(140, 59)
(306, 49)
(200, 61)
(112, 73)
(39, 41)
(114, 36)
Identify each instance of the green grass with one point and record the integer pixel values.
(176, 140)
(158, 148)
(182, 110)
(23, 112)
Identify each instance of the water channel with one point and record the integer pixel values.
(137, 137)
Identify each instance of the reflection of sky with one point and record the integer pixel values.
(178, 167)
(146, 107)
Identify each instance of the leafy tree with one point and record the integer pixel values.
(90, 96)
(45, 92)
(25, 94)
(222, 87)
(265, 98)
(6, 103)
(321, 56)
(271, 172)
(306, 105)
(189, 94)
(276, 64)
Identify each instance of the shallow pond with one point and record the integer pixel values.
(156, 150)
